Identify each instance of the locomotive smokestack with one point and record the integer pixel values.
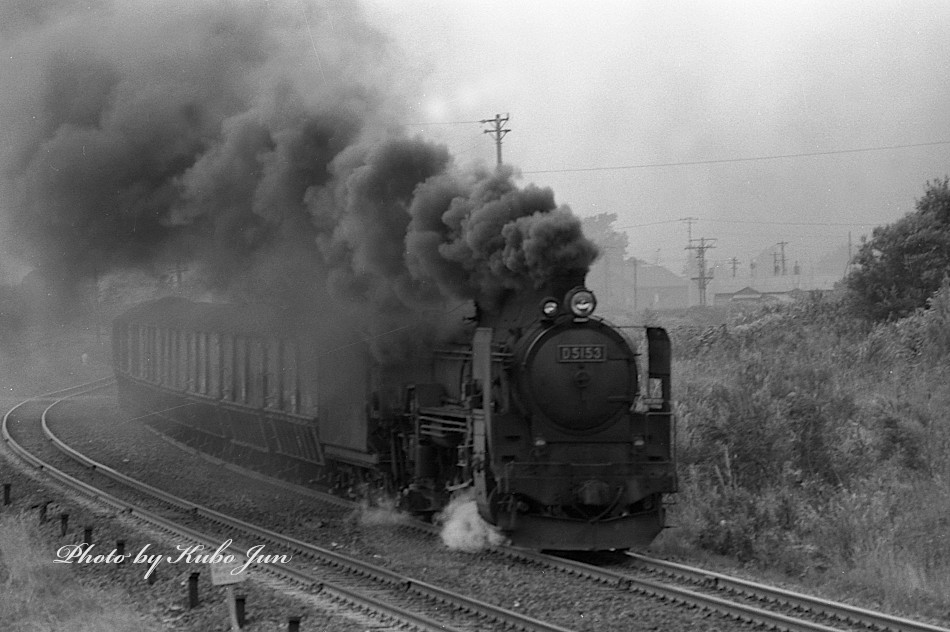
(564, 282)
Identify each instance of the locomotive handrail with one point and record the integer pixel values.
(437, 412)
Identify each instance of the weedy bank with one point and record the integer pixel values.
(37, 594)
(816, 443)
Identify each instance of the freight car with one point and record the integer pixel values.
(540, 407)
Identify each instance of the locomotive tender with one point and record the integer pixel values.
(539, 407)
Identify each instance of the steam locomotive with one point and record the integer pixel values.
(562, 429)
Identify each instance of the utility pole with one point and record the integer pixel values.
(689, 240)
(735, 264)
(689, 227)
(635, 272)
(848, 266)
(782, 245)
(703, 278)
(498, 132)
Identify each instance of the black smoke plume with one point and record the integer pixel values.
(257, 144)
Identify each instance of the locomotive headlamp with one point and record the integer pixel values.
(550, 307)
(582, 302)
(639, 442)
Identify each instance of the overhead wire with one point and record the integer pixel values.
(688, 163)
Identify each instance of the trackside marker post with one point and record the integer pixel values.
(193, 590)
(239, 602)
(228, 574)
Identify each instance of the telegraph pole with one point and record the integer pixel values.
(689, 227)
(497, 132)
(782, 245)
(848, 266)
(735, 264)
(635, 273)
(704, 277)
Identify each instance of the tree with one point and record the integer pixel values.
(904, 263)
(599, 229)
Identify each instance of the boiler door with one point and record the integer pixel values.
(580, 377)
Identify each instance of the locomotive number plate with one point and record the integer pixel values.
(581, 353)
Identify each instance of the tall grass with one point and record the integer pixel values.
(38, 595)
(816, 443)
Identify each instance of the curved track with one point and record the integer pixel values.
(845, 613)
(389, 596)
(743, 600)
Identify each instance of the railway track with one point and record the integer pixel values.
(333, 574)
(389, 596)
(837, 611)
(740, 599)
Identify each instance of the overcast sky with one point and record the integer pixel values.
(614, 104)
(798, 122)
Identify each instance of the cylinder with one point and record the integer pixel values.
(426, 463)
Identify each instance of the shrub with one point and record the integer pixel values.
(815, 441)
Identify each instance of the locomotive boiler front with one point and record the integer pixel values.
(579, 376)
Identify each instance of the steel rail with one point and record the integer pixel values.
(64, 392)
(352, 597)
(675, 594)
(367, 569)
(845, 612)
(429, 591)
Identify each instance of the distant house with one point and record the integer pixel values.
(775, 288)
(745, 295)
(657, 287)
(632, 284)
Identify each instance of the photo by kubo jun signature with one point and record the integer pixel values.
(187, 554)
